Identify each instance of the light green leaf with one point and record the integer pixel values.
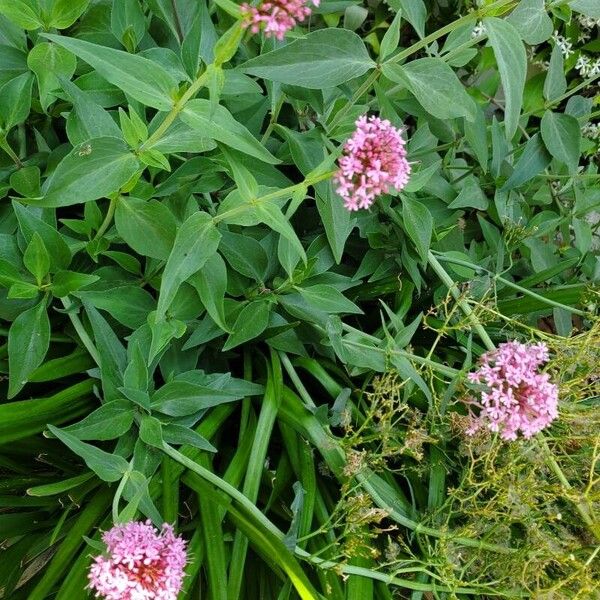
(108, 422)
(109, 467)
(562, 135)
(328, 298)
(211, 284)
(512, 64)
(251, 322)
(28, 342)
(37, 259)
(92, 170)
(533, 160)
(418, 223)
(391, 38)
(322, 59)
(24, 13)
(433, 82)
(590, 8)
(147, 227)
(143, 79)
(221, 126)
(471, 196)
(532, 21)
(15, 101)
(48, 62)
(415, 12)
(179, 435)
(128, 23)
(555, 84)
(65, 12)
(196, 241)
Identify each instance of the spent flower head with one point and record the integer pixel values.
(141, 563)
(275, 17)
(517, 398)
(374, 161)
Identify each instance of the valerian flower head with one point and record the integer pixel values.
(141, 563)
(517, 398)
(374, 161)
(275, 17)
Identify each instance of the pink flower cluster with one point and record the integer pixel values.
(517, 397)
(374, 161)
(142, 563)
(276, 17)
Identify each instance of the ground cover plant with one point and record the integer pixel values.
(299, 299)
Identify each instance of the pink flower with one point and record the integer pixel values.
(276, 17)
(142, 563)
(374, 161)
(517, 398)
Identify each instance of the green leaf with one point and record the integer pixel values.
(28, 342)
(108, 422)
(555, 84)
(13, 62)
(391, 38)
(221, 126)
(37, 259)
(15, 101)
(512, 64)
(60, 254)
(147, 227)
(136, 374)
(476, 136)
(415, 12)
(532, 162)
(22, 13)
(128, 23)
(48, 62)
(65, 12)
(251, 322)
(143, 79)
(532, 22)
(151, 431)
(108, 467)
(418, 223)
(562, 135)
(92, 170)
(328, 298)
(211, 284)
(245, 255)
(179, 435)
(470, 196)
(322, 59)
(432, 82)
(590, 8)
(196, 241)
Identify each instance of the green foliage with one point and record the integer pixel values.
(194, 329)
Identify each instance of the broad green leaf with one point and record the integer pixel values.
(418, 223)
(532, 21)
(476, 136)
(211, 284)
(181, 398)
(179, 435)
(87, 120)
(251, 322)
(221, 126)
(15, 101)
(432, 82)
(590, 8)
(271, 215)
(65, 12)
(25, 13)
(245, 255)
(13, 62)
(92, 170)
(328, 298)
(59, 251)
(322, 59)
(147, 227)
(415, 12)
(28, 342)
(562, 135)
(66, 282)
(337, 220)
(390, 40)
(196, 241)
(555, 84)
(37, 259)
(108, 422)
(470, 196)
(128, 23)
(512, 64)
(143, 79)
(48, 62)
(108, 467)
(151, 431)
(532, 162)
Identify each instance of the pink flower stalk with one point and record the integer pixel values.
(276, 17)
(517, 397)
(142, 563)
(374, 161)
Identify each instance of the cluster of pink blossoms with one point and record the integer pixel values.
(374, 161)
(142, 563)
(517, 397)
(276, 17)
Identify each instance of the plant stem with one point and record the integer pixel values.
(110, 213)
(80, 329)
(174, 112)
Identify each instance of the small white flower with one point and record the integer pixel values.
(566, 47)
(478, 30)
